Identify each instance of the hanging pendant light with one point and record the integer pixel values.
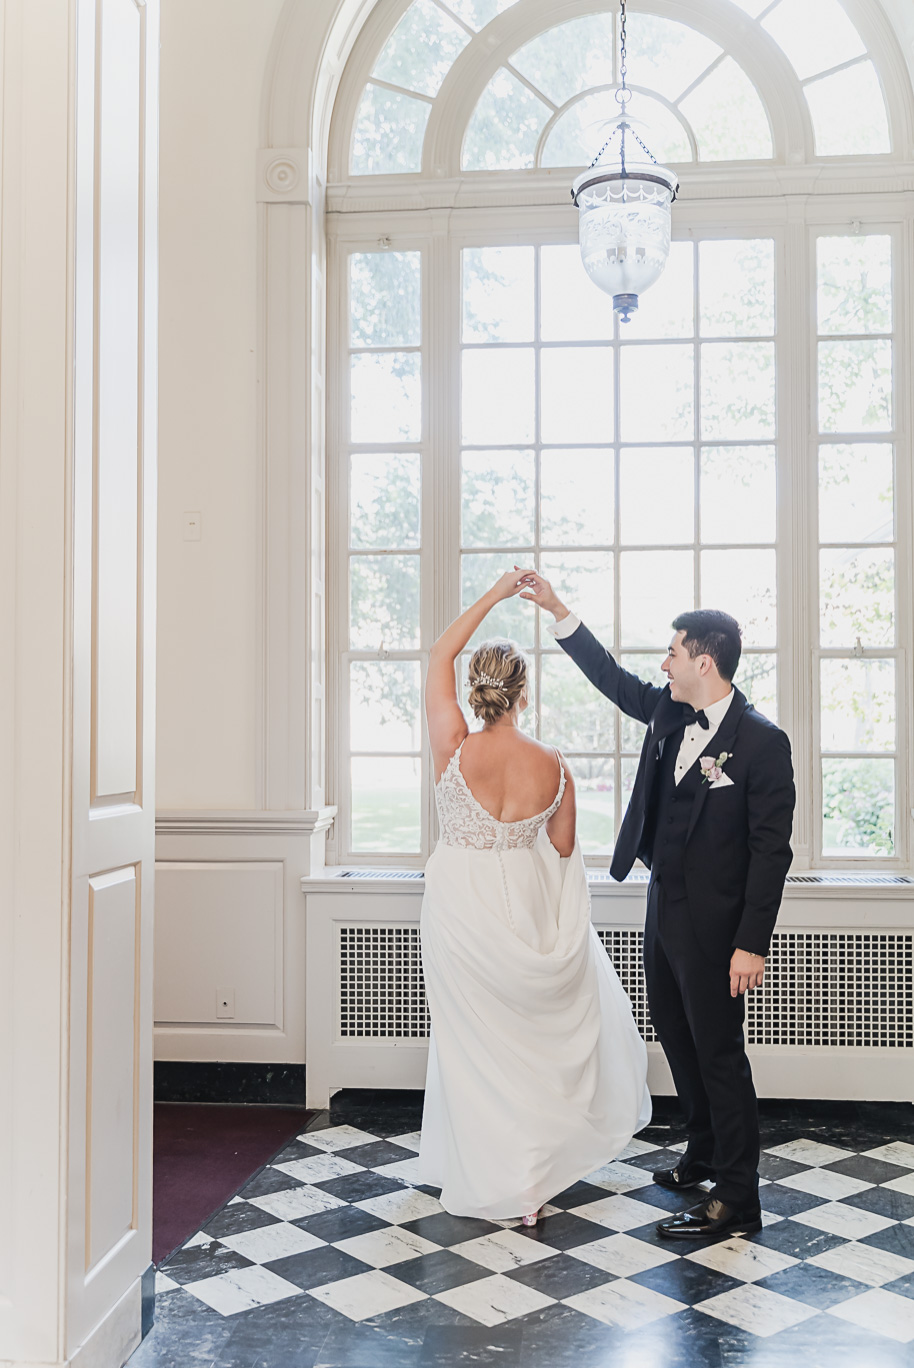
(624, 198)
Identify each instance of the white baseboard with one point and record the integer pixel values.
(114, 1339)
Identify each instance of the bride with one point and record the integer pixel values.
(536, 1071)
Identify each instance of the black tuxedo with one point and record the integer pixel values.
(718, 859)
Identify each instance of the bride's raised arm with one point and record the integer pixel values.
(446, 723)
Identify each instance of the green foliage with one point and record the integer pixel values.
(858, 807)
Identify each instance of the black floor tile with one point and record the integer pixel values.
(773, 1167)
(358, 1187)
(381, 1152)
(686, 1281)
(340, 1224)
(455, 1346)
(315, 1267)
(578, 1195)
(238, 1216)
(202, 1261)
(560, 1277)
(794, 1238)
(903, 1286)
(665, 1199)
(366, 1346)
(438, 1272)
(867, 1170)
(896, 1239)
(296, 1149)
(812, 1285)
(413, 1321)
(655, 1159)
(897, 1206)
(444, 1229)
(564, 1231)
(269, 1180)
(784, 1201)
(562, 1337)
(824, 1341)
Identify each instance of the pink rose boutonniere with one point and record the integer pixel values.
(711, 769)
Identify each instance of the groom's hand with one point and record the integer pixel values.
(746, 971)
(541, 592)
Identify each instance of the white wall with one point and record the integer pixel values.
(214, 55)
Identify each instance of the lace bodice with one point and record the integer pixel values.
(465, 822)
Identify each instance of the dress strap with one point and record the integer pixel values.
(557, 801)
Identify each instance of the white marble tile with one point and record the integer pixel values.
(823, 1183)
(864, 1262)
(381, 1248)
(620, 1213)
(757, 1310)
(837, 1219)
(400, 1206)
(367, 1294)
(267, 1243)
(492, 1301)
(624, 1303)
(407, 1170)
(811, 1152)
(680, 1148)
(903, 1184)
(636, 1146)
(409, 1141)
(740, 1259)
(164, 1284)
(883, 1312)
(234, 1200)
(241, 1289)
(770, 1218)
(898, 1152)
(622, 1255)
(337, 1138)
(201, 1238)
(619, 1177)
(503, 1250)
(292, 1203)
(319, 1168)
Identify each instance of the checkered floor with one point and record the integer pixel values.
(334, 1256)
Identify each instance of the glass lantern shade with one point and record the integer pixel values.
(625, 219)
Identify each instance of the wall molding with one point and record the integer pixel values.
(243, 822)
(283, 175)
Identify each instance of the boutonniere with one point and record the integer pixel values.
(711, 769)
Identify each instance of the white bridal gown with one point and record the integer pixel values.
(536, 1071)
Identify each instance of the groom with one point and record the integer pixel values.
(710, 815)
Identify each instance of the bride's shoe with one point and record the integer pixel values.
(532, 1219)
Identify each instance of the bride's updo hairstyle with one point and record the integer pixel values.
(498, 677)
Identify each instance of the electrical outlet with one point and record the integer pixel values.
(225, 1003)
(192, 526)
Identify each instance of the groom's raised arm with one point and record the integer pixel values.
(634, 696)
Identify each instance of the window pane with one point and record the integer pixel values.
(743, 584)
(584, 579)
(384, 603)
(858, 705)
(655, 587)
(858, 807)
(386, 395)
(727, 116)
(499, 489)
(506, 123)
(645, 518)
(666, 56)
(384, 705)
(577, 394)
(856, 500)
(757, 676)
(512, 618)
(855, 284)
(478, 13)
(386, 804)
(848, 113)
(738, 494)
(656, 393)
(646, 665)
(572, 309)
(576, 498)
(855, 386)
(497, 396)
(594, 784)
(737, 288)
(577, 136)
(498, 294)
(389, 132)
(737, 390)
(569, 58)
(857, 598)
(385, 299)
(668, 310)
(421, 50)
(573, 715)
(815, 35)
(384, 500)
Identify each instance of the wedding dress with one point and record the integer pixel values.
(536, 1071)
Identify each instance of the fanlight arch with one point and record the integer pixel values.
(455, 87)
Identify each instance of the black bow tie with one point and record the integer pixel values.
(689, 716)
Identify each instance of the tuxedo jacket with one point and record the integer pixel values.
(737, 850)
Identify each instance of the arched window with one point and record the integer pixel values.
(742, 443)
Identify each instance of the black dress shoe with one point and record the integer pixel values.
(710, 1218)
(682, 1176)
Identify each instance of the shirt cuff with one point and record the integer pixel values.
(563, 629)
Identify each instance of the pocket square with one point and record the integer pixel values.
(722, 782)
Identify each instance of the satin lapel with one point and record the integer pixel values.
(724, 741)
(666, 720)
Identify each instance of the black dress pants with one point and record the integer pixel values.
(700, 1027)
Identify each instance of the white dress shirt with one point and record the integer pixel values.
(696, 739)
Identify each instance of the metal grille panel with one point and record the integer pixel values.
(837, 989)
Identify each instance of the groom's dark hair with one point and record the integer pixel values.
(710, 632)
